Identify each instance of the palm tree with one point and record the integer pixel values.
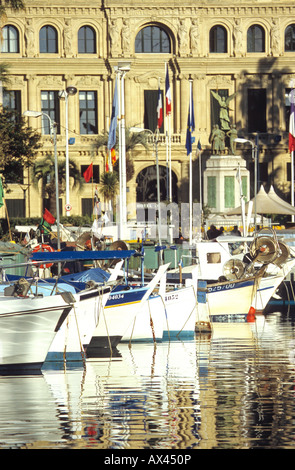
(44, 170)
(109, 186)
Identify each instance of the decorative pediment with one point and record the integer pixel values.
(219, 81)
(150, 78)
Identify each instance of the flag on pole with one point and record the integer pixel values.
(113, 130)
(46, 222)
(160, 110)
(292, 122)
(168, 94)
(88, 173)
(190, 126)
(48, 217)
(199, 148)
(1, 193)
(113, 155)
(114, 117)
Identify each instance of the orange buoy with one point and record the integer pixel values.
(43, 247)
(251, 315)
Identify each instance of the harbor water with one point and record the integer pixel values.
(231, 389)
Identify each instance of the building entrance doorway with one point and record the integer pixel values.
(147, 185)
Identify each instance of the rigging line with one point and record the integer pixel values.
(194, 307)
(79, 336)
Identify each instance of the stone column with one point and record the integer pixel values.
(32, 103)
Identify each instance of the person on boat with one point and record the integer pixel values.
(213, 232)
(236, 231)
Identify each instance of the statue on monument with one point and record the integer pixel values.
(223, 110)
(232, 134)
(229, 132)
(217, 140)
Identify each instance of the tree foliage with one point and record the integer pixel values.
(18, 142)
(109, 185)
(13, 4)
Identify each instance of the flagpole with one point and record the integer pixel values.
(190, 172)
(158, 189)
(291, 140)
(120, 159)
(168, 133)
(167, 142)
(124, 188)
(292, 182)
(199, 150)
(242, 200)
(169, 157)
(116, 121)
(167, 160)
(167, 139)
(92, 194)
(156, 138)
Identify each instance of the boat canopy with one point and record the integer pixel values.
(93, 274)
(58, 256)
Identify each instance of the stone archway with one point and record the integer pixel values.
(146, 182)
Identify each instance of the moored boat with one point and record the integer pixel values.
(127, 315)
(27, 327)
(73, 337)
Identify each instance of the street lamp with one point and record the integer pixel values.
(254, 157)
(36, 114)
(155, 143)
(64, 94)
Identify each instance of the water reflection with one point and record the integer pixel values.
(233, 388)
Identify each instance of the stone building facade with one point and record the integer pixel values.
(240, 47)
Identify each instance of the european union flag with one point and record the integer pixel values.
(190, 126)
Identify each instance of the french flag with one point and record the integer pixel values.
(292, 122)
(160, 109)
(168, 94)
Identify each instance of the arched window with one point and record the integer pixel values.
(255, 39)
(218, 39)
(10, 39)
(290, 38)
(48, 39)
(152, 39)
(86, 40)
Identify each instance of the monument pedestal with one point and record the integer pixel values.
(221, 182)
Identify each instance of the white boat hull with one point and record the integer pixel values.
(127, 315)
(181, 312)
(117, 315)
(230, 298)
(27, 328)
(75, 334)
(268, 286)
(148, 323)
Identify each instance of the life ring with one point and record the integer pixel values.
(43, 247)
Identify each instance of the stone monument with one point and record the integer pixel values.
(222, 186)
